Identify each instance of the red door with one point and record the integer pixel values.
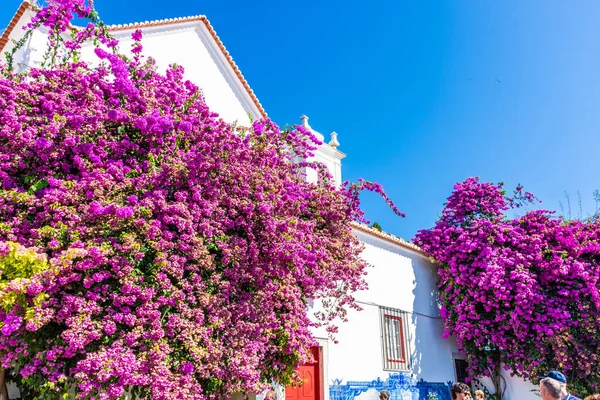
(310, 388)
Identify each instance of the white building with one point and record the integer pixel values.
(396, 342)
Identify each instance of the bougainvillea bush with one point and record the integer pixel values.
(148, 247)
(520, 292)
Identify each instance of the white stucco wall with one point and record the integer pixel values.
(516, 388)
(332, 159)
(188, 44)
(325, 153)
(31, 54)
(402, 279)
(519, 389)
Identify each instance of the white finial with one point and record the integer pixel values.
(334, 142)
(304, 119)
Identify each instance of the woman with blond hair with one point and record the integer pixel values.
(479, 395)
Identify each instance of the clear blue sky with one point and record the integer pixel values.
(422, 93)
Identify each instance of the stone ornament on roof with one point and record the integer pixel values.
(334, 142)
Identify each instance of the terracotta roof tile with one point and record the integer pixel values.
(388, 237)
(13, 22)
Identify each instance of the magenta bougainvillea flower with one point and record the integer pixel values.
(520, 292)
(146, 246)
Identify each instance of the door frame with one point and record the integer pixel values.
(461, 357)
(323, 344)
(322, 359)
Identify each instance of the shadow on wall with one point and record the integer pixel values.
(431, 355)
(433, 358)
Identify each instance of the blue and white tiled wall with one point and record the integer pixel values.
(401, 387)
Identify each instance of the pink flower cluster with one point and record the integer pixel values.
(522, 292)
(182, 250)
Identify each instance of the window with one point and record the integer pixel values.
(394, 339)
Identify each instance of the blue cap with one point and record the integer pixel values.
(558, 376)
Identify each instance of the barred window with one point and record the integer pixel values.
(394, 339)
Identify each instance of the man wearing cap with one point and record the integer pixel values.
(562, 381)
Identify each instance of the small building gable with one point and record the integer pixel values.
(14, 31)
(193, 43)
(190, 42)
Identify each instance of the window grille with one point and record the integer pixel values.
(394, 339)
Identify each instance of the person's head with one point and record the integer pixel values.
(551, 389)
(593, 397)
(384, 395)
(461, 391)
(271, 395)
(560, 378)
(557, 376)
(479, 395)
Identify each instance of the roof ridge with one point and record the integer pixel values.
(388, 237)
(156, 22)
(233, 65)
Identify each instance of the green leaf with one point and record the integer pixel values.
(39, 185)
